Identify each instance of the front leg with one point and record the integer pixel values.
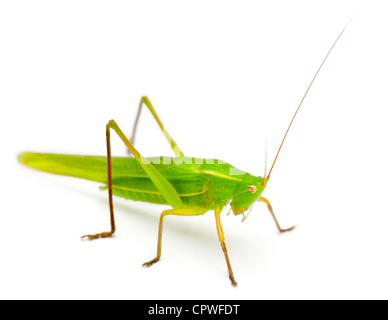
(262, 199)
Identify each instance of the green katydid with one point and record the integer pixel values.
(191, 186)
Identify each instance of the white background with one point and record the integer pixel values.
(224, 76)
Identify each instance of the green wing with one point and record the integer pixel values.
(129, 180)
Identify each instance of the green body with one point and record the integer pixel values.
(191, 186)
(200, 183)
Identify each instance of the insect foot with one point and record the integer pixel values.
(150, 263)
(287, 230)
(98, 236)
(234, 283)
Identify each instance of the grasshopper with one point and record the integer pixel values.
(191, 186)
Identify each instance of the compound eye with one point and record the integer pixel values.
(252, 189)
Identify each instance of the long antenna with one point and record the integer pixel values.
(311, 83)
(266, 158)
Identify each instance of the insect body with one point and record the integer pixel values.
(200, 184)
(191, 186)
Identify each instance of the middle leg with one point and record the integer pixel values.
(179, 212)
(223, 246)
